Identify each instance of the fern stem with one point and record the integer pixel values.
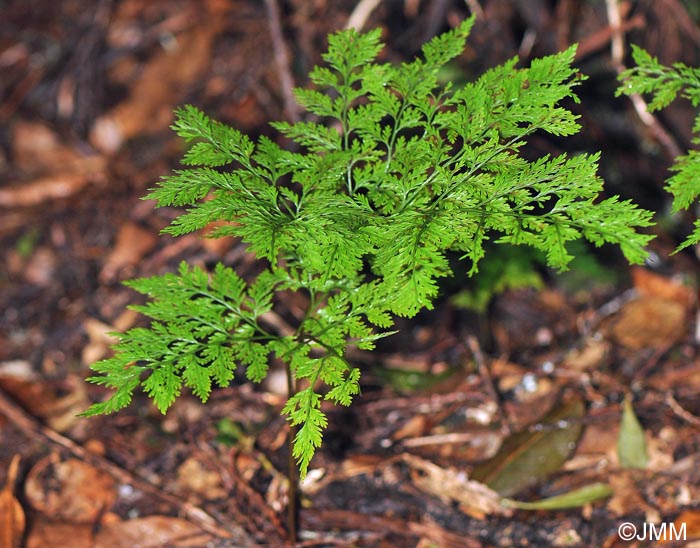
(291, 468)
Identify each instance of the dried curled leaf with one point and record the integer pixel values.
(12, 520)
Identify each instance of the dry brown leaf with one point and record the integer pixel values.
(57, 402)
(194, 477)
(626, 497)
(650, 322)
(133, 242)
(151, 531)
(63, 401)
(650, 284)
(45, 533)
(10, 222)
(474, 498)
(54, 170)
(18, 370)
(597, 447)
(508, 373)
(660, 449)
(69, 490)
(39, 270)
(417, 425)
(126, 319)
(12, 519)
(50, 187)
(99, 340)
(149, 106)
(691, 519)
(217, 246)
(590, 357)
(36, 148)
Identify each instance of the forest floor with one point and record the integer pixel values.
(554, 387)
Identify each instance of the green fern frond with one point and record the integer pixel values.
(664, 84)
(394, 172)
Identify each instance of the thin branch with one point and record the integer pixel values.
(617, 52)
(361, 13)
(486, 378)
(617, 41)
(680, 411)
(475, 8)
(442, 439)
(291, 108)
(292, 477)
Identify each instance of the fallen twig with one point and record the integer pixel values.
(487, 380)
(680, 411)
(291, 109)
(618, 28)
(361, 13)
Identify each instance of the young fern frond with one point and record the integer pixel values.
(397, 172)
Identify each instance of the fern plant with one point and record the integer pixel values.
(665, 84)
(390, 172)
